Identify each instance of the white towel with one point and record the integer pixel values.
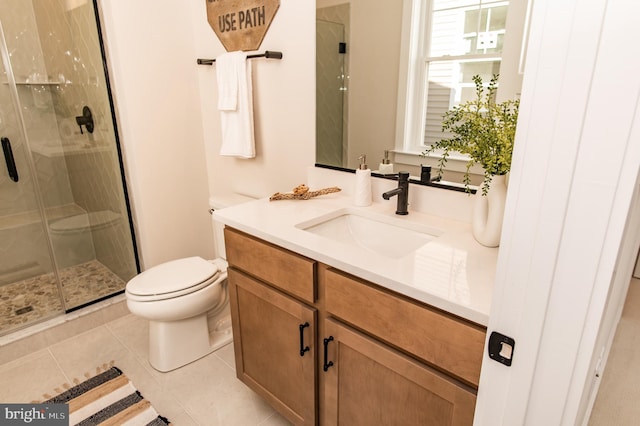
(235, 103)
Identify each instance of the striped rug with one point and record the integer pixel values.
(108, 399)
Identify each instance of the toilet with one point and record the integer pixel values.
(186, 302)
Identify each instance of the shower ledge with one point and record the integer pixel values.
(58, 149)
(28, 218)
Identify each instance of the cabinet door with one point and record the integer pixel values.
(267, 328)
(371, 384)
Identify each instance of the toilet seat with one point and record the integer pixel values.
(173, 279)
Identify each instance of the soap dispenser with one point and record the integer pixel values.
(363, 183)
(386, 168)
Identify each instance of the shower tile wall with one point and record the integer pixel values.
(78, 171)
(114, 248)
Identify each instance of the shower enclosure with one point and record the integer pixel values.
(65, 230)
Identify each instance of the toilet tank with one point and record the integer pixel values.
(217, 202)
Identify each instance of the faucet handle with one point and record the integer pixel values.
(425, 173)
(86, 119)
(403, 176)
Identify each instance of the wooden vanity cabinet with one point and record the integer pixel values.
(271, 329)
(375, 357)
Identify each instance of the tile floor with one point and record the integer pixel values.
(619, 393)
(205, 392)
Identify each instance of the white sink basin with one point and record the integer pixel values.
(361, 229)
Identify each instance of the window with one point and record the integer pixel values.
(451, 41)
(465, 39)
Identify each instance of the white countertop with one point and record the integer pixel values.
(453, 272)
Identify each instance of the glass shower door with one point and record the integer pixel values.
(76, 196)
(29, 288)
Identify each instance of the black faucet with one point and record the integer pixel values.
(402, 191)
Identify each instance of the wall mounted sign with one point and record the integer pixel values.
(241, 24)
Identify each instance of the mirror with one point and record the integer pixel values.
(357, 90)
(362, 50)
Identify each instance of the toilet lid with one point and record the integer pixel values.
(175, 276)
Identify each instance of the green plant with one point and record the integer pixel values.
(483, 129)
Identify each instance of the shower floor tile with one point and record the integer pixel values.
(25, 302)
(87, 282)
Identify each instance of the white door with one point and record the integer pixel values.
(575, 164)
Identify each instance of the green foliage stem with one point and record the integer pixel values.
(483, 129)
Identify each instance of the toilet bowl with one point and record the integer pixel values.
(176, 298)
(186, 302)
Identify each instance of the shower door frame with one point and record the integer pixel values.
(116, 133)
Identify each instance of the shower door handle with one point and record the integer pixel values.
(8, 157)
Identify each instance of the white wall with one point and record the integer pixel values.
(170, 129)
(284, 104)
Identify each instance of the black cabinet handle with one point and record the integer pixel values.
(326, 365)
(8, 157)
(303, 348)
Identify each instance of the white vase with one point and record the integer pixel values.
(488, 212)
